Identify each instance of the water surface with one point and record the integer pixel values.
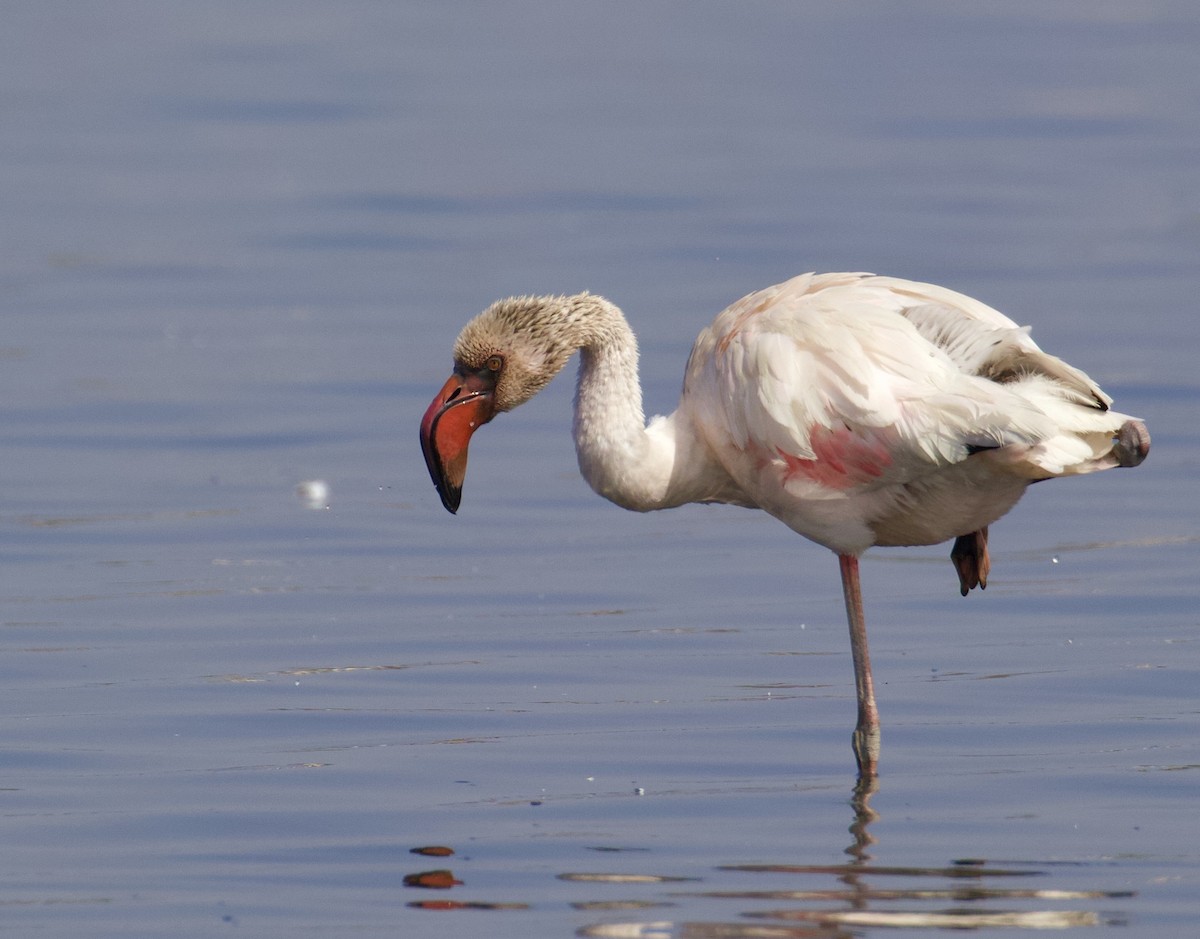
(240, 242)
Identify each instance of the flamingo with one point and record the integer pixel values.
(859, 410)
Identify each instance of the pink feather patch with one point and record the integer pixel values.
(843, 459)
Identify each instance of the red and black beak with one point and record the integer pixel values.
(465, 403)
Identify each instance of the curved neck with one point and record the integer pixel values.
(637, 467)
(609, 425)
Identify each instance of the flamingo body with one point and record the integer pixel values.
(865, 410)
(858, 410)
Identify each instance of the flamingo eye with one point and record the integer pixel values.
(494, 363)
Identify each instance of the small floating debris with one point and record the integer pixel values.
(432, 880)
(663, 929)
(314, 493)
(464, 905)
(624, 878)
(433, 850)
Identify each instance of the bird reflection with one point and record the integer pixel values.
(857, 891)
(859, 902)
(860, 801)
(824, 901)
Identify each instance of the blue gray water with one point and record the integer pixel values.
(238, 242)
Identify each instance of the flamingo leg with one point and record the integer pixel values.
(970, 558)
(866, 732)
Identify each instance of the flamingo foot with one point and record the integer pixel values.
(1132, 443)
(866, 743)
(970, 558)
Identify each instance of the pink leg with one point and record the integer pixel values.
(866, 731)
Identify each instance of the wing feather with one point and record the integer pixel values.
(843, 382)
(983, 341)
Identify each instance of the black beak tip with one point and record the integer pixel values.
(451, 498)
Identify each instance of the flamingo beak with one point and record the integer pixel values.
(465, 403)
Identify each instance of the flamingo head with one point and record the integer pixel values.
(502, 358)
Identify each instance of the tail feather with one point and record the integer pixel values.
(1085, 439)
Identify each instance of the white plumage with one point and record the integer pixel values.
(859, 410)
(867, 410)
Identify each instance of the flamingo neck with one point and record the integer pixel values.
(620, 457)
(609, 425)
